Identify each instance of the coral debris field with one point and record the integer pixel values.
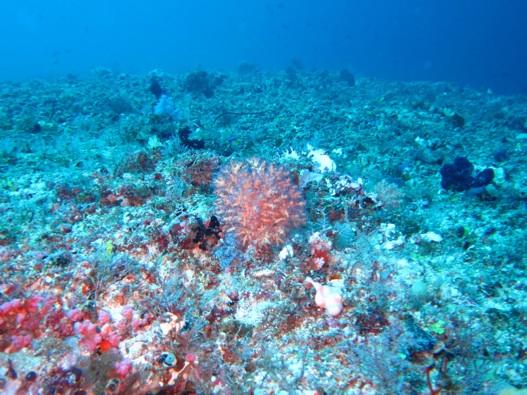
(261, 233)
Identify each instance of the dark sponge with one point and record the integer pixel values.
(458, 176)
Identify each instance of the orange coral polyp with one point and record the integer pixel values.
(259, 201)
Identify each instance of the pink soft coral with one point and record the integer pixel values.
(259, 202)
(327, 297)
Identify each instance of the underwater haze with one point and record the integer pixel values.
(481, 43)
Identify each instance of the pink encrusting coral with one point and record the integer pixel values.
(259, 202)
(124, 367)
(25, 319)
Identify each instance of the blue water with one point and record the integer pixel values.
(481, 43)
